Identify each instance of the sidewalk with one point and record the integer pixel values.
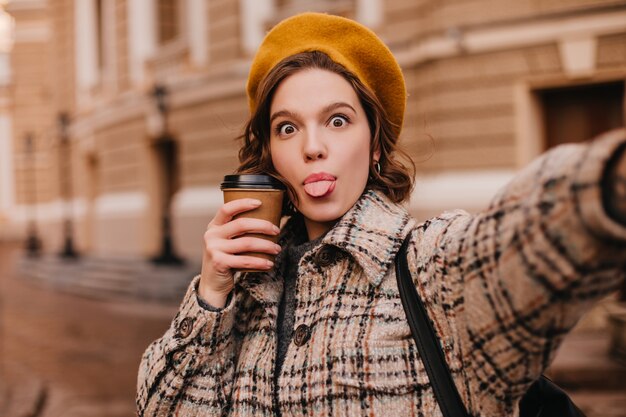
(24, 396)
(68, 355)
(110, 278)
(30, 396)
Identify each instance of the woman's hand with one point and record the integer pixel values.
(222, 246)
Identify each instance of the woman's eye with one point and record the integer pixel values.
(338, 121)
(286, 129)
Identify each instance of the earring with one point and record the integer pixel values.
(291, 207)
(377, 167)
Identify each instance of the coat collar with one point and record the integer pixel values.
(372, 231)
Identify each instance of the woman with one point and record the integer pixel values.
(323, 332)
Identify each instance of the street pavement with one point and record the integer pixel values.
(69, 355)
(70, 345)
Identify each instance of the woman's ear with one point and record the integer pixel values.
(376, 155)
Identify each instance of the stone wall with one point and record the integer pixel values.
(473, 69)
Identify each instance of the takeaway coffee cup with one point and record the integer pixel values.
(265, 188)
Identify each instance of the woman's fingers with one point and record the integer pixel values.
(243, 225)
(232, 208)
(225, 243)
(226, 262)
(249, 262)
(250, 244)
(216, 249)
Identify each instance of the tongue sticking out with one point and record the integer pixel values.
(319, 188)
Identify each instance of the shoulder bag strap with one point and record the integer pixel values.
(427, 341)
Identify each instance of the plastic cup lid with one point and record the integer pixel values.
(251, 181)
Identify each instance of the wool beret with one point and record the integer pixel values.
(347, 43)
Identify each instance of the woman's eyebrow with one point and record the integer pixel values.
(337, 105)
(285, 113)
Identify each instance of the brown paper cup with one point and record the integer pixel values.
(270, 210)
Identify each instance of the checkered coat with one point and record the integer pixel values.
(502, 288)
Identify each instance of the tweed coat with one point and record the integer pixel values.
(502, 288)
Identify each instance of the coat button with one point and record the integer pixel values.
(185, 326)
(326, 256)
(302, 335)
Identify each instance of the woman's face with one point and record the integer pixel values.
(320, 143)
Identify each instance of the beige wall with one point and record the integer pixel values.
(224, 30)
(411, 21)
(60, 55)
(207, 133)
(31, 97)
(470, 122)
(121, 33)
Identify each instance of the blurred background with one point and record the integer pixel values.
(118, 119)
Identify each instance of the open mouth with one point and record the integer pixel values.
(319, 185)
(319, 188)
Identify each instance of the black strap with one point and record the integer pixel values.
(427, 341)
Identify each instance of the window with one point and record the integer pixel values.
(576, 114)
(168, 15)
(100, 33)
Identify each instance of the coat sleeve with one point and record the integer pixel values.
(516, 278)
(189, 370)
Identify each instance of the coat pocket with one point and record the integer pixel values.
(390, 368)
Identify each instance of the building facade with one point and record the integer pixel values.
(125, 113)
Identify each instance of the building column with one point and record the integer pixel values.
(197, 31)
(7, 184)
(370, 12)
(87, 71)
(254, 15)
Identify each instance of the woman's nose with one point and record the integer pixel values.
(314, 147)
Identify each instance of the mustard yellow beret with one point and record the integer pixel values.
(346, 42)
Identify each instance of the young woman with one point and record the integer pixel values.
(323, 331)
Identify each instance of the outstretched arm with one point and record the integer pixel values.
(517, 277)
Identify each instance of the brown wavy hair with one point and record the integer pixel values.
(397, 170)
